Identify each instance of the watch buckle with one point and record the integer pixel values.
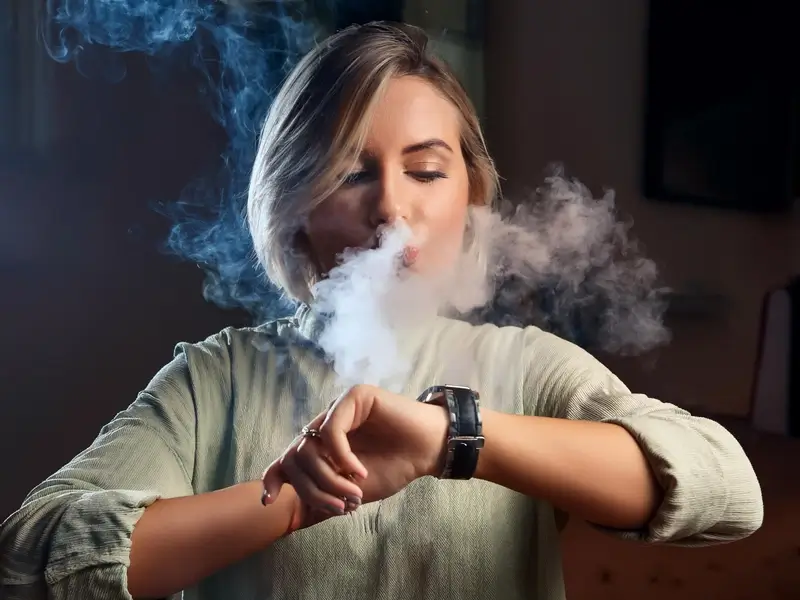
(474, 441)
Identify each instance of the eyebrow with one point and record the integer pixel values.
(427, 145)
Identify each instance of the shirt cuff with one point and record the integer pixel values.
(689, 471)
(95, 531)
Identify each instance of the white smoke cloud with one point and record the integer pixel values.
(562, 261)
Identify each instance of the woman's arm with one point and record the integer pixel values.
(180, 541)
(123, 512)
(595, 471)
(620, 460)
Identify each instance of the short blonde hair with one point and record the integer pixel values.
(317, 124)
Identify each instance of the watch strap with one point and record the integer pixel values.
(465, 429)
(465, 435)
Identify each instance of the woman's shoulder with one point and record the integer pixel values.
(239, 349)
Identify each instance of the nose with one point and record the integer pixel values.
(390, 202)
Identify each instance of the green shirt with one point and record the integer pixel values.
(223, 409)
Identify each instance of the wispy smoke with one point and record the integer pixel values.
(244, 50)
(562, 261)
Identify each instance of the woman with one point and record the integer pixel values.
(372, 499)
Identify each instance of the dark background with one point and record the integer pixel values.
(722, 104)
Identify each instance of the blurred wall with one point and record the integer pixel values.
(90, 308)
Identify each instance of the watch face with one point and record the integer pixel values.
(464, 388)
(437, 394)
(433, 395)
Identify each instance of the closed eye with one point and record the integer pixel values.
(360, 177)
(427, 176)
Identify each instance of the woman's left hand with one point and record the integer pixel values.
(367, 446)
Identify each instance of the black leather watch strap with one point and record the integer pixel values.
(465, 437)
(463, 403)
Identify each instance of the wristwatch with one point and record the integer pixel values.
(465, 436)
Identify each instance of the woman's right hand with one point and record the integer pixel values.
(302, 515)
(367, 446)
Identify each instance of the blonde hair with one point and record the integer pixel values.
(317, 125)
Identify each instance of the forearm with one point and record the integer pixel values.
(179, 541)
(595, 471)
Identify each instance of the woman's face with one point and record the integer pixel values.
(411, 170)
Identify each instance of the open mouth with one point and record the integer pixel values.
(406, 252)
(410, 254)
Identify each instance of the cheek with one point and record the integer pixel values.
(445, 227)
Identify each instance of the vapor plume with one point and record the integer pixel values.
(365, 299)
(566, 262)
(563, 261)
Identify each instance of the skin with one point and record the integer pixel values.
(396, 178)
(411, 169)
(374, 443)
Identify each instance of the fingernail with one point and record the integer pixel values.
(265, 498)
(353, 500)
(335, 510)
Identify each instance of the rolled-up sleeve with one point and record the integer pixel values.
(711, 492)
(71, 537)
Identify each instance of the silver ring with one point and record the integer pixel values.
(309, 432)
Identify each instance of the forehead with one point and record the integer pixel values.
(412, 110)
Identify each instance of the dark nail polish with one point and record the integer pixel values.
(353, 500)
(264, 497)
(335, 510)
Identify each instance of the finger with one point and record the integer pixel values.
(350, 507)
(317, 516)
(272, 479)
(333, 434)
(309, 492)
(323, 473)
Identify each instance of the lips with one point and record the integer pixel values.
(410, 254)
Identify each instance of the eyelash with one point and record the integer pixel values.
(426, 177)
